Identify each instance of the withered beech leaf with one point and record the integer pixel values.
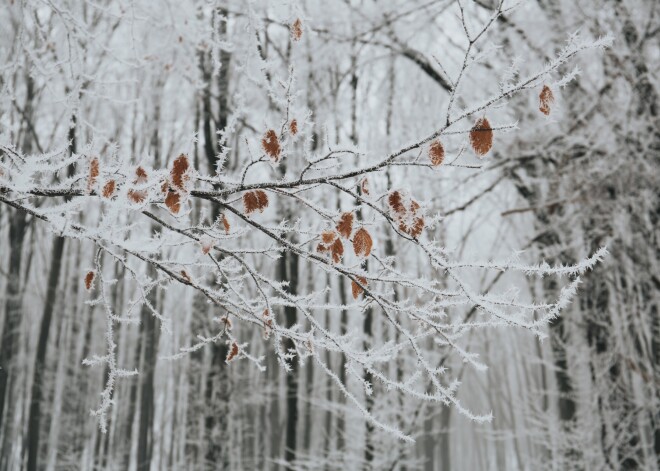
(364, 186)
(296, 30)
(250, 202)
(395, 202)
(417, 227)
(233, 352)
(328, 237)
(271, 145)
(225, 223)
(337, 250)
(140, 176)
(173, 201)
(436, 153)
(255, 201)
(345, 224)
(546, 99)
(179, 173)
(481, 137)
(137, 196)
(356, 289)
(109, 189)
(362, 243)
(268, 324)
(293, 127)
(89, 280)
(93, 174)
(227, 322)
(262, 200)
(207, 243)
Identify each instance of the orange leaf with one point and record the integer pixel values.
(481, 137)
(337, 250)
(93, 173)
(345, 224)
(227, 322)
(137, 196)
(546, 98)
(233, 352)
(179, 173)
(396, 203)
(356, 289)
(328, 237)
(225, 223)
(271, 145)
(296, 30)
(262, 200)
(417, 228)
(362, 243)
(140, 176)
(436, 153)
(173, 201)
(364, 186)
(206, 244)
(89, 280)
(268, 324)
(109, 189)
(250, 202)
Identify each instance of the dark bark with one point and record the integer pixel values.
(34, 417)
(149, 343)
(289, 272)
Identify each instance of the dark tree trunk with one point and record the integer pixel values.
(149, 342)
(34, 417)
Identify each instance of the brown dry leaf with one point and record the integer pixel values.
(225, 223)
(93, 174)
(417, 228)
(179, 173)
(345, 224)
(109, 189)
(356, 289)
(137, 196)
(271, 145)
(186, 276)
(233, 352)
(293, 127)
(227, 322)
(362, 243)
(481, 137)
(140, 176)
(436, 153)
(173, 201)
(396, 203)
(337, 250)
(328, 237)
(262, 200)
(89, 280)
(250, 202)
(206, 243)
(268, 324)
(546, 98)
(296, 30)
(364, 186)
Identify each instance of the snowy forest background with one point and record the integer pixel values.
(329, 234)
